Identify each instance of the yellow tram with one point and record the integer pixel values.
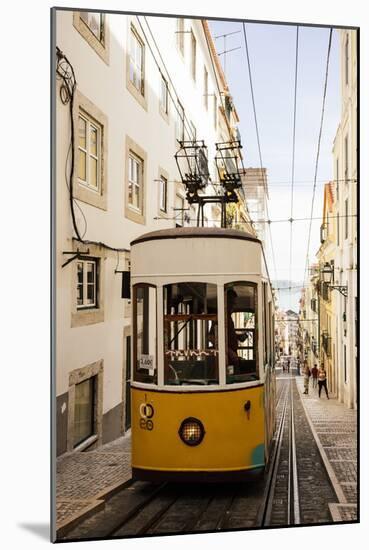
(203, 388)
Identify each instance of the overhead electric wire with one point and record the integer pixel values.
(318, 150)
(284, 220)
(258, 141)
(293, 145)
(231, 138)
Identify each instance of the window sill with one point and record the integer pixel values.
(87, 316)
(140, 98)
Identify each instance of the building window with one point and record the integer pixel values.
(84, 410)
(180, 122)
(215, 111)
(92, 26)
(136, 62)
(96, 23)
(87, 280)
(346, 219)
(89, 152)
(206, 89)
(193, 56)
(346, 159)
(337, 179)
(180, 35)
(163, 192)
(338, 229)
(135, 181)
(345, 363)
(163, 95)
(347, 60)
(90, 142)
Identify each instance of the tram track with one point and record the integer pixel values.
(285, 495)
(280, 503)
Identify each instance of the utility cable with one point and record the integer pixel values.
(318, 150)
(293, 145)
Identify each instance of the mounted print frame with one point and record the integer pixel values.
(205, 342)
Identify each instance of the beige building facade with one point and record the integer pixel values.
(142, 83)
(345, 258)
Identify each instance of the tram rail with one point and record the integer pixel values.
(285, 435)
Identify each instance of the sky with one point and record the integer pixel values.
(272, 53)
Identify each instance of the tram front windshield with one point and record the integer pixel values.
(190, 334)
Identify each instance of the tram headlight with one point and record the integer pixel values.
(191, 431)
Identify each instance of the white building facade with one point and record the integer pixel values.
(142, 83)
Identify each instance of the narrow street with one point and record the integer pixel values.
(311, 479)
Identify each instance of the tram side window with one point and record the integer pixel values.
(190, 334)
(144, 333)
(241, 332)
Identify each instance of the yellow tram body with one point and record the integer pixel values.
(233, 440)
(194, 415)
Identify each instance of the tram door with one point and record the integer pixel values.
(128, 382)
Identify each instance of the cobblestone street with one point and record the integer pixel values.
(334, 427)
(85, 479)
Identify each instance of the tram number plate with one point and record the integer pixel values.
(146, 424)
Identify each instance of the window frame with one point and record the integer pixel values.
(101, 39)
(164, 105)
(135, 159)
(90, 123)
(89, 315)
(134, 372)
(137, 69)
(163, 207)
(83, 107)
(347, 60)
(193, 55)
(101, 47)
(206, 88)
(85, 284)
(132, 212)
(139, 93)
(180, 122)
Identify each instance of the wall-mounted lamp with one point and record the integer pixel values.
(327, 274)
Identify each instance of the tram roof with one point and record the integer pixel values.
(195, 232)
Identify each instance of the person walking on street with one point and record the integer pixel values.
(314, 372)
(322, 380)
(307, 374)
